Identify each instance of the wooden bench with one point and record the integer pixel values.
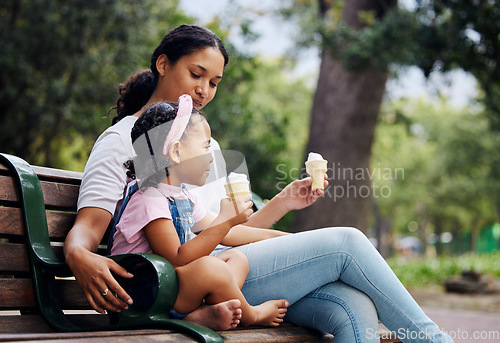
(31, 294)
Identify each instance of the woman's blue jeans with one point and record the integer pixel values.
(336, 282)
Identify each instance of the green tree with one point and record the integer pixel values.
(449, 159)
(61, 63)
(359, 41)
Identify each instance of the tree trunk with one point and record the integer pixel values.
(344, 116)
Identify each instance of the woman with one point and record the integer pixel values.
(334, 279)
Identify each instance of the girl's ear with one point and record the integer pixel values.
(162, 64)
(174, 152)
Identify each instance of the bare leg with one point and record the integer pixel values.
(210, 278)
(237, 263)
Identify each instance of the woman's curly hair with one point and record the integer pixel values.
(179, 42)
(133, 93)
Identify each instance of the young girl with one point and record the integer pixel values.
(173, 150)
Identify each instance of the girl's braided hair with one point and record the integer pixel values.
(160, 115)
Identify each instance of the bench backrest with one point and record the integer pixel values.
(60, 190)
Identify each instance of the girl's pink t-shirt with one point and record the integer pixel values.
(144, 207)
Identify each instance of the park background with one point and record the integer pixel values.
(401, 99)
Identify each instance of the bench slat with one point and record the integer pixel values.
(131, 336)
(34, 323)
(25, 324)
(71, 295)
(35, 328)
(58, 175)
(11, 221)
(13, 258)
(283, 333)
(56, 194)
(60, 195)
(17, 293)
(8, 191)
(31, 325)
(53, 174)
(59, 223)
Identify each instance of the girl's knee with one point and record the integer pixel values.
(210, 263)
(236, 258)
(233, 254)
(214, 270)
(236, 254)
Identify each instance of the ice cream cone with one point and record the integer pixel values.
(317, 169)
(237, 186)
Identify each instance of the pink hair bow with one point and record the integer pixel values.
(180, 122)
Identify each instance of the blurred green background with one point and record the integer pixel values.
(434, 163)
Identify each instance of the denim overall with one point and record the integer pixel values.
(181, 211)
(182, 216)
(142, 287)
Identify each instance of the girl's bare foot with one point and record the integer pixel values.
(270, 313)
(222, 316)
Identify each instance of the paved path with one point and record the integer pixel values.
(466, 326)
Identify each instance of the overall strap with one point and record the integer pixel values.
(176, 216)
(132, 189)
(174, 212)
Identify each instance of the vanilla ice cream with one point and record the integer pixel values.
(316, 167)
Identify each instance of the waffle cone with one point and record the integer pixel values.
(237, 189)
(317, 170)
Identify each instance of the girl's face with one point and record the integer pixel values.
(197, 75)
(195, 155)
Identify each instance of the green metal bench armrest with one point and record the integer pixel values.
(46, 265)
(257, 201)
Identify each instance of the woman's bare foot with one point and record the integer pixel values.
(222, 316)
(270, 313)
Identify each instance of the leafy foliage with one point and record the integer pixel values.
(61, 63)
(434, 35)
(449, 157)
(434, 271)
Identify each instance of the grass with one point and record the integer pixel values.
(425, 272)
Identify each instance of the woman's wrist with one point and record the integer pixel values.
(73, 253)
(270, 214)
(281, 202)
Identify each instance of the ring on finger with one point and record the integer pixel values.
(105, 292)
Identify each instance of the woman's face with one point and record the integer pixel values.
(197, 75)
